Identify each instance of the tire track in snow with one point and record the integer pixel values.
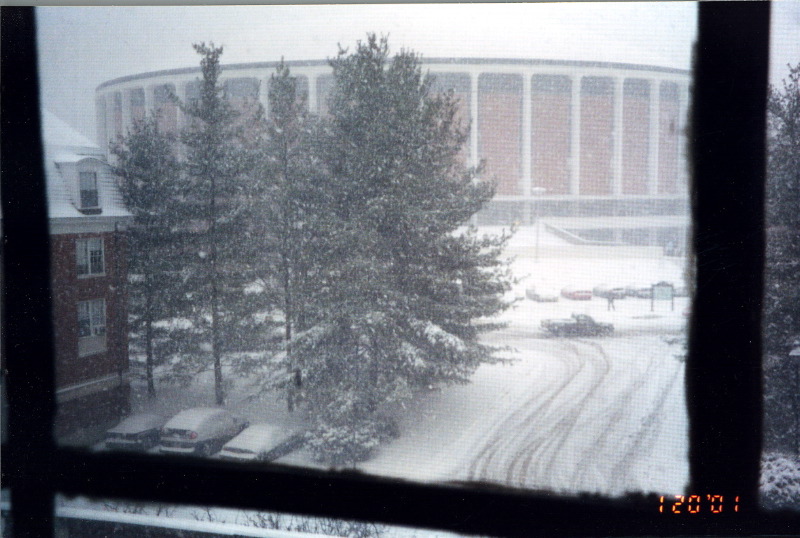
(645, 439)
(609, 447)
(537, 460)
(542, 425)
(568, 439)
(506, 431)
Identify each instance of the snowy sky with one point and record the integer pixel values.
(101, 43)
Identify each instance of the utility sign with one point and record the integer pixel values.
(663, 291)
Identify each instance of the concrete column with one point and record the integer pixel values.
(683, 161)
(655, 105)
(180, 90)
(127, 123)
(312, 94)
(100, 121)
(473, 110)
(149, 100)
(110, 132)
(575, 136)
(616, 181)
(263, 95)
(527, 172)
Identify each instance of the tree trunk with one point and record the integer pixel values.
(287, 315)
(215, 344)
(148, 321)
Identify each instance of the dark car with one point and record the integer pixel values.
(136, 432)
(200, 431)
(577, 325)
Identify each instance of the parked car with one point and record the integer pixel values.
(577, 325)
(541, 295)
(260, 442)
(609, 293)
(577, 294)
(642, 292)
(136, 432)
(201, 431)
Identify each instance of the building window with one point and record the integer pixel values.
(90, 256)
(88, 188)
(92, 318)
(91, 326)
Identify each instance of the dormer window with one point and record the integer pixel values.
(88, 188)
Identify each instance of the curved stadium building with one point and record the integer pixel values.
(595, 150)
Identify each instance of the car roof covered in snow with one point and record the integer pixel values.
(191, 419)
(138, 423)
(257, 437)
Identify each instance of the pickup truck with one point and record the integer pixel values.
(577, 325)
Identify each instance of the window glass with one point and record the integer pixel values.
(95, 517)
(780, 466)
(444, 278)
(88, 189)
(90, 256)
(92, 318)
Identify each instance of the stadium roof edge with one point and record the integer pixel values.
(426, 62)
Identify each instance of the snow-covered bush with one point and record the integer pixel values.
(780, 481)
(343, 444)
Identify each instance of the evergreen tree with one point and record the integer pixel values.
(403, 290)
(150, 181)
(215, 209)
(288, 210)
(782, 316)
(782, 272)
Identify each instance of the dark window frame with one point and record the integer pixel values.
(89, 197)
(95, 263)
(724, 361)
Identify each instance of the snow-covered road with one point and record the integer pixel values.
(598, 415)
(593, 427)
(584, 415)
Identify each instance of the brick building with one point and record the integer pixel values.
(87, 222)
(594, 148)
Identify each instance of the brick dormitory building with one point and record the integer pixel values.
(87, 222)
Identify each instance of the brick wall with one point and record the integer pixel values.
(550, 132)
(597, 146)
(635, 136)
(68, 290)
(500, 135)
(668, 139)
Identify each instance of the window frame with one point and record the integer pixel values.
(723, 379)
(84, 200)
(97, 340)
(83, 247)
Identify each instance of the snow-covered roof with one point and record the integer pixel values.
(65, 151)
(258, 437)
(56, 130)
(192, 419)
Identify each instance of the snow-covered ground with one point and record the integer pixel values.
(604, 415)
(780, 481)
